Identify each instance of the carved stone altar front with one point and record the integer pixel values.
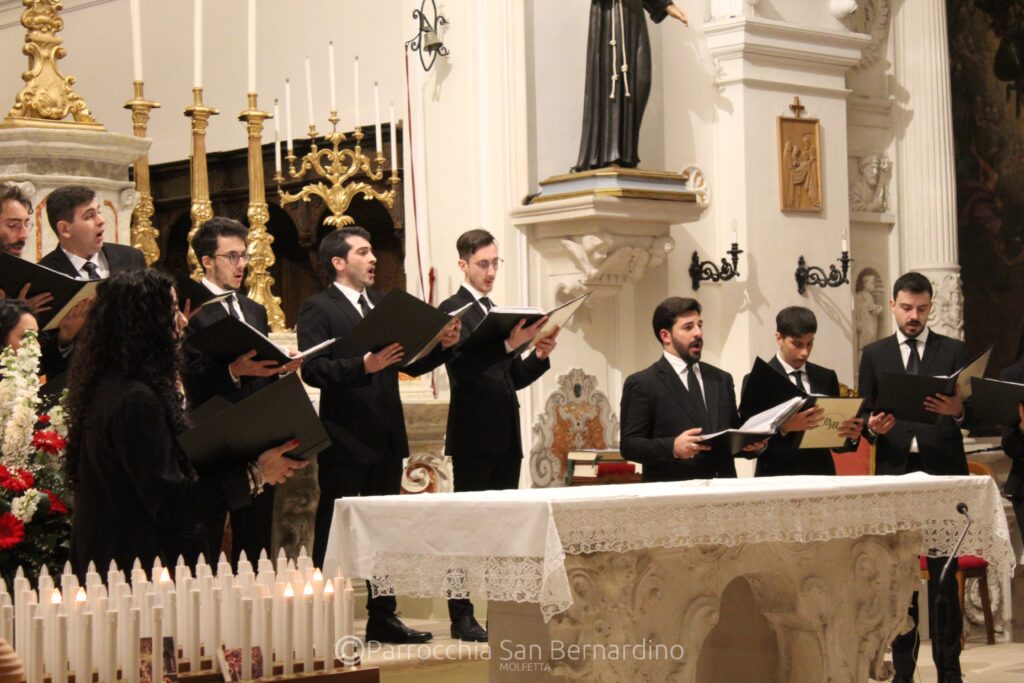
(832, 608)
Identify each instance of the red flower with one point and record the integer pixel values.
(49, 442)
(12, 531)
(57, 507)
(18, 482)
(44, 419)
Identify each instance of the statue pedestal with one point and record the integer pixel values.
(42, 159)
(608, 232)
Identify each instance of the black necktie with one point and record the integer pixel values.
(798, 375)
(233, 306)
(693, 389)
(91, 271)
(364, 305)
(914, 361)
(487, 303)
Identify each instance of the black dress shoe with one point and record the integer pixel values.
(390, 629)
(468, 628)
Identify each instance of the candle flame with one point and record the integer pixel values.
(308, 590)
(318, 575)
(329, 588)
(165, 576)
(55, 597)
(289, 592)
(80, 595)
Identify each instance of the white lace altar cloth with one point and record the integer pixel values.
(511, 545)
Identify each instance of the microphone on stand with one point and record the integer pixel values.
(940, 600)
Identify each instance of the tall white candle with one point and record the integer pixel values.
(376, 118)
(355, 89)
(309, 94)
(215, 639)
(252, 45)
(35, 640)
(60, 672)
(329, 638)
(277, 136)
(133, 8)
(394, 147)
(197, 45)
(307, 628)
(334, 87)
(288, 626)
(844, 244)
(287, 134)
(267, 637)
(193, 630)
(107, 673)
(84, 670)
(246, 638)
(134, 632)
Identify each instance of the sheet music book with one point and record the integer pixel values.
(229, 338)
(400, 317)
(501, 320)
(758, 427)
(16, 272)
(837, 411)
(903, 395)
(996, 401)
(765, 388)
(235, 433)
(196, 292)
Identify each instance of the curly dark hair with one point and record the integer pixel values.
(11, 312)
(130, 333)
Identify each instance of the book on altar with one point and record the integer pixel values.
(229, 338)
(226, 434)
(903, 395)
(195, 294)
(402, 318)
(596, 462)
(757, 428)
(499, 322)
(996, 401)
(66, 291)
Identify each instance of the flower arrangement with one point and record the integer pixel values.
(35, 524)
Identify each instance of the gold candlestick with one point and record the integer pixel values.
(202, 208)
(338, 166)
(261, 255)
(143, 233)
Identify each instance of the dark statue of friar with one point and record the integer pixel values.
(618, 79)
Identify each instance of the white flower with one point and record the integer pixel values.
(19, 396)
(24, 506)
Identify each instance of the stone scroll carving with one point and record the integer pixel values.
(576, 415)
(866, 16)
(869, 191)
(609, 261)
(948, 308)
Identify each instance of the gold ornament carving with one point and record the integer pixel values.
(143, 234)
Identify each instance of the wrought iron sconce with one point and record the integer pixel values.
(426, 41)
(814, 275)
(706, 270)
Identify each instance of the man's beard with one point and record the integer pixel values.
(685, 353)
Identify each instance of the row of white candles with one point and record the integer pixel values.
(289, 610)
(197, 79)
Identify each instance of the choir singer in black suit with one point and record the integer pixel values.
(1013, 446)
(359, 402)
(220, 246)
(666, 407)
(135, 493)
(902, 446)
(795, 327)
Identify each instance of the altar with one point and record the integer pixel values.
(809, 577)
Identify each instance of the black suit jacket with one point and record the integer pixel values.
(136, 494)
(362, 412)
(1013, 440)
(782, 455)
(941, 445)
(203, 376)
(655, 410)
(120, 258)
(483, 415)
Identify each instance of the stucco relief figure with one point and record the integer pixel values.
(867, 307)
(618, 79)
(870, 192)
(801, 174)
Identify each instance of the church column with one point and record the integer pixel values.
(925, 164)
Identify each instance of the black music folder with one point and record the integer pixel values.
(228, 434)
(903, 395)
(757, 428)
(16, 272)
(401, 318)
(765, 388)
(195, 292)
(229, 338)
(501, 320)
(996, 401)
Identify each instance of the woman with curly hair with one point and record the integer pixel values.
(135, 493)
(16, 318)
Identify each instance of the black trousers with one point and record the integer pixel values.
(251, 530)
(344, 480)
(482, 473)
(945, 625)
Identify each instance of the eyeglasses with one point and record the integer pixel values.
(234, 257)
(487, 265)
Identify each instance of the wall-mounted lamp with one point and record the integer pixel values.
(426, 41)
(706, 270)
(814, 275)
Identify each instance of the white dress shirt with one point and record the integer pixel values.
(921, 339)
(353, 296)
(98, 259)
(686, 373)
(477, 294)
(789, 370)
(220, 290)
